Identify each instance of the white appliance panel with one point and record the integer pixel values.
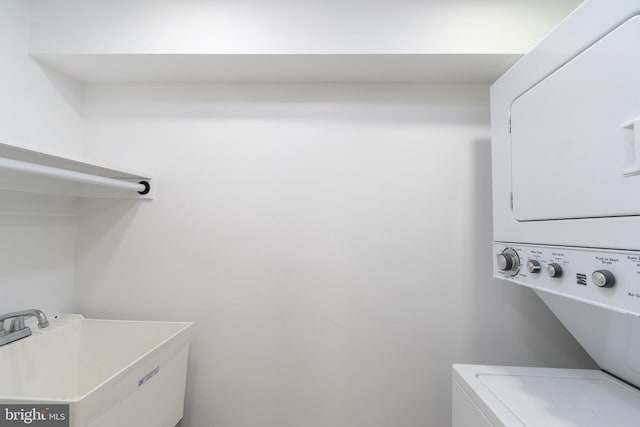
(564, 136)
(610, 337)
(465, 413)
(579, 402)
(575, 136)
(577, 274)
(511, 396)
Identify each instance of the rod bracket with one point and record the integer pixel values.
(147, 188)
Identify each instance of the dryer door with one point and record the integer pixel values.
(575, 136)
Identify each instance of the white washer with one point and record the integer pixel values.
(565, 148)
(507, 396)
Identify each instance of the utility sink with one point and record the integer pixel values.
(110, 372)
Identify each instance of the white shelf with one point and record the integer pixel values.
(404, 68)
(33, 169)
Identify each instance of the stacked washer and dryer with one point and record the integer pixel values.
(566, 202)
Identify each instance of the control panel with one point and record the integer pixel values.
(602, 277)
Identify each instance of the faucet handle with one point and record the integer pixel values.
(17, 324)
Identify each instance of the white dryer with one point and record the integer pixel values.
(566, 203)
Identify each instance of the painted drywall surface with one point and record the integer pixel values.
(37, 234)
(38, 238)
(301, 27)
(331, 242)
(37, 105)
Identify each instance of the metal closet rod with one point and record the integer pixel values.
(141, 187)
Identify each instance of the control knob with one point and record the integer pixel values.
(603, 278)
(554, 270)
(533, 266)
(508, 261)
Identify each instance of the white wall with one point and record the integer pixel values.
(331, 242)
(37, 234)
(293, 27)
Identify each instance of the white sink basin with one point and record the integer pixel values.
(110, 372)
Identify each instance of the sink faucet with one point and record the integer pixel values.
(17, 328)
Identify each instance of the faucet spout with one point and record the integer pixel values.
(18, 330)
(43, 322)
(38, 314)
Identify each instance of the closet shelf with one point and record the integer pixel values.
(282, 68)
(32, 169)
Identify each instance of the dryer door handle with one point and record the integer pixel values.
(631, 149)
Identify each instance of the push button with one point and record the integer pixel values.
(603, 278)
